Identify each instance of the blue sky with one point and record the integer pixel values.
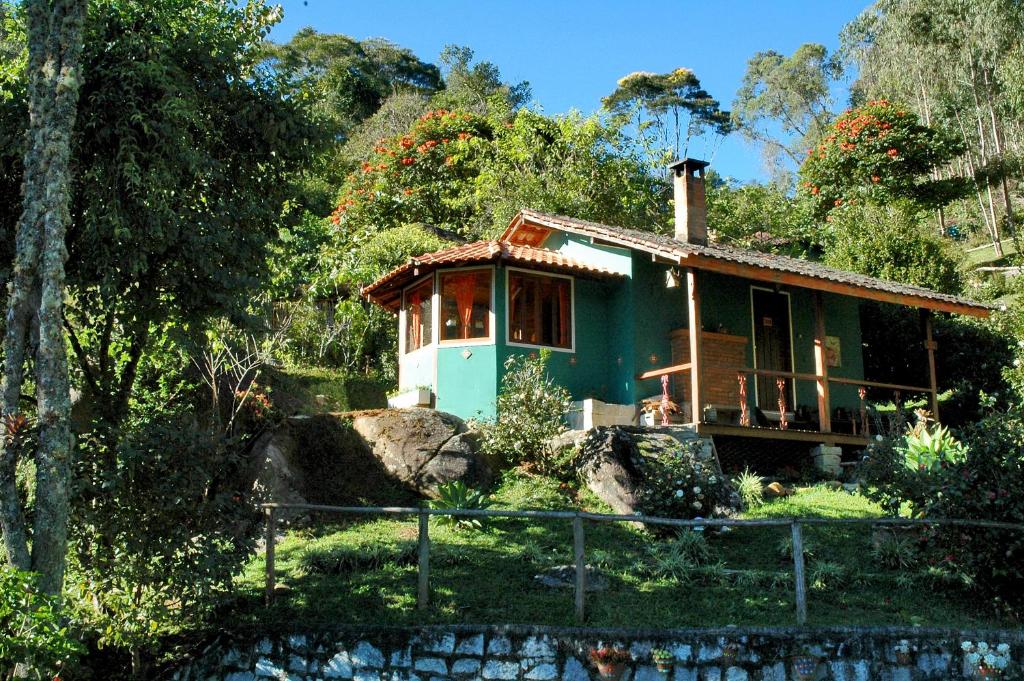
(572, 52)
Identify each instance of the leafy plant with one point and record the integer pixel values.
(456, 495)
(343, 559)
(825, 575)
(930, 449)
(679, 558)
(33, 631)
(750, 488)
(530, 411)
(675, 483)
(785, 549)
(896, 553)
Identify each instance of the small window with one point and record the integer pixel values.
(465, 305)
(540, 310)
(419, 316)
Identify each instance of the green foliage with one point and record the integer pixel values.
(789, 93)
(879, 153)
(680, 557)
(456, 495)
(784, 549)
(340, 559)
(761, 217)
(665, 99)
(826, 576)
(750, 488)
(531, 409)
(984, 483)
(34, 632)
(157, 531)
(676, 484)
(930, 449)
(476, 87)
(894, 552)
(888, 242)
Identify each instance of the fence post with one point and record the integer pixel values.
(581, 567)
(423, 594)
(271, 536)
(798, 573)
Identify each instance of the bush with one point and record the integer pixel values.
(33, 633)
(981, 480)
(530, 411)
(675, 484)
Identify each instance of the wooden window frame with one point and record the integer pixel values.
(402, 317)
(491, 317)
(508, 310)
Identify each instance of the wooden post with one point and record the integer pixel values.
(423, 593)
(798, 573)
(271, 535)
(931, 345)
(696, 347)
(821, 365)
(581, 568)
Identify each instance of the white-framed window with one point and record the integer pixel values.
(466, 305)
(540, 310)
(418, 314)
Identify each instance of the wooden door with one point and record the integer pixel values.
(773, 346)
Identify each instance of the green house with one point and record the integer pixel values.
(778, 350)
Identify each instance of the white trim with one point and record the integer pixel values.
(490, 339)
(433, 316)
(572, 311)
(753, 342)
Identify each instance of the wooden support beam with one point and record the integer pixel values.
(696, 346)
(581, 568)
(423, 572)
(270, 540)
(930, 346)
(821, 365)
(655, 373)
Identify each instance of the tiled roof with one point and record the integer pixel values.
(387, 290)
(713, 256)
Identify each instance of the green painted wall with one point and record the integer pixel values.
(467, 387)
(417, 368)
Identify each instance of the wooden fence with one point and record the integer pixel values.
(577, 518)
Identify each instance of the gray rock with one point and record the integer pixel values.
(366, 675)
(736, 674)
(934, 664)
(690, 674)
(776, 672)
(297, 643)
(465, 667)
(711, 674)
(681, 651)
(267, 668)
(574, 671)
(402, 676)
(265, 647)
(366, 655)
(499, 645)
(234, 658)
(402, 658)
(474, 645)
(442, 645)
(648, 673)
(432, 665)
(542, 672)
(338, 667)
(564, 577)
(240, 676)
(496, 669)
(538, 647)
(297, 663)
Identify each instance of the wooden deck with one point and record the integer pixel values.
(790, 434)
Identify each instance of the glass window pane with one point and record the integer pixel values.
(540, 310)
(466, 305)
(419, 308)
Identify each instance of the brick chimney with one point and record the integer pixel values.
(691, 206)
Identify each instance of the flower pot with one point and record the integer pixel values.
(663, 667)
(903, 659)
(804, 667)
(611, 670)
(988, 673)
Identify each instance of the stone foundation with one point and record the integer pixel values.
(549, 654)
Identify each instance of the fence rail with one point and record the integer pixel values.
(578, 533)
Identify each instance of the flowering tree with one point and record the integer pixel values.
(879, 153)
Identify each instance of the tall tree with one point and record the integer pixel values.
(785, 103)
(668, 110)
(470, 86)
(36, 295)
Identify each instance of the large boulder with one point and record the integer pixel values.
(423, 448)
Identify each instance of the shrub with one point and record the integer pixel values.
(679, 558)
(895, 553)
(826, 575)
(675, 484)
(456, 495)
(785, 550)
(981, 480)
(33, 633)
(530, 411)
(344, 559)
(750, 488)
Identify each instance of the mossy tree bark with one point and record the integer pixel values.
(36, 293)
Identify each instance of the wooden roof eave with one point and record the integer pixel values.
(773, 276)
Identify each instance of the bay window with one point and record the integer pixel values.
(419, 316)
(465, 304)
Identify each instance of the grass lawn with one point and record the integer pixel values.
(364, 572)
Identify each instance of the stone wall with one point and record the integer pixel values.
(548, 654)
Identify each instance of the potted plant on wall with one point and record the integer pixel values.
(663, 659)
(988, 662)
(610, 662)
(805, 664)
(904, 651)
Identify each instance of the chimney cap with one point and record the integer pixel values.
(688, 164)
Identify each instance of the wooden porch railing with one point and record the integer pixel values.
(578, 539)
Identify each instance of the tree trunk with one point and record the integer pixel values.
(36, 299)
